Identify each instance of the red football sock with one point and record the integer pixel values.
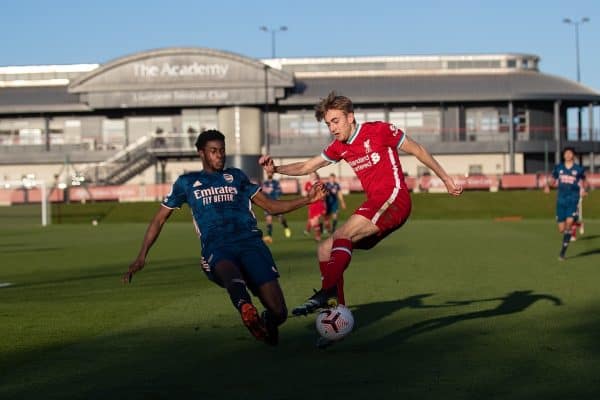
(340, 284)
(317, 230)
(340, 291)
(323, 267)
(341, 254)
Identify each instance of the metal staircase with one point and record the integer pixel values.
(138, 156)
(123, 165)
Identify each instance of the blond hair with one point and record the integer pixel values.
(333, 102)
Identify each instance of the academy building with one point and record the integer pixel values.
(134, 119)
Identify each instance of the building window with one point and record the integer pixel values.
(113, 134)
(369, 115)
(484, 125)
(475, 169)
(422, 125)
(199, 120)
(25, 131)
(300, 124)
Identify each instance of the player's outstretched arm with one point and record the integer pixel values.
(293, 169)
(341, 199)
(584, 186)
(411, 147)
(152, 233)
(549, 182)
(284, 206)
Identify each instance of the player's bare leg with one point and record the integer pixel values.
(268, 238)
(230, 276)
(275, 314)
(286, 229)
(565, 228)
(579, 222)
(335, 254)
(315, 227)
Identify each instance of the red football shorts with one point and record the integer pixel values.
(316, 209)
(387, 213)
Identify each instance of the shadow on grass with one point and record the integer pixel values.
(514, 302)
(8, 247)
(586, 253)
(181, 361)
(588, 237)
(156, 267)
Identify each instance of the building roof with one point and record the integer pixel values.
(39, 99)
(298, 82)
(424, 88)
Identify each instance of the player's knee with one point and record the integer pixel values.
(279, 314)
(324, 249)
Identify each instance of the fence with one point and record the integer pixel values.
(130, 193)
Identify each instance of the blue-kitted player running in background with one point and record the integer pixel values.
(333, 200)
(272, 188)
(571, 185)
(233, 253)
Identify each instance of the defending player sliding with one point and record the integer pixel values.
(233, 253)
(371, 149)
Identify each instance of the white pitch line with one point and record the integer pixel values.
(5, 284)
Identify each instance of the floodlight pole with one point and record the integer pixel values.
(273, 32)
(576, 24)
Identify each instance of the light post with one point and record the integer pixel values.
(576, 24)
(273, 32)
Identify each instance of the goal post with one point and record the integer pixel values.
(24, 201)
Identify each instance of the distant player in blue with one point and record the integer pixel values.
(333, 199)
(571, 184)
(233, 253)
(272, 188)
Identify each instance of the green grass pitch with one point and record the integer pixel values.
(446, 308)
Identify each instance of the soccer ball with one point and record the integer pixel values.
(335, 323)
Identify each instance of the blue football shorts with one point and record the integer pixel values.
(567, 208)
(252, 257)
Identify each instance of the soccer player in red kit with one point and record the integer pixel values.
(316, 209)
(371, 149)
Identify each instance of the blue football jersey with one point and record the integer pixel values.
(568, 180)
(332, 192)
(272, 188)
(220, 203)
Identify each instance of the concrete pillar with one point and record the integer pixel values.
(242, 128)
(557, 136)
(47, 132)
(511, 137)
(591, 122)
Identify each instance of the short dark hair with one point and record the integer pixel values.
(571, 149)
(207, 136)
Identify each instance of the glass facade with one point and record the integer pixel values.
(301, 125)
(424, 125)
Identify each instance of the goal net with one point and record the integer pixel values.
(24, 202)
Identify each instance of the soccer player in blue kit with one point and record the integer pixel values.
(333, 199)
(272, 188)
(233, 253)
(571, 185)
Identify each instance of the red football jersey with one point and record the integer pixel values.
(317, 207)
(372, 151)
